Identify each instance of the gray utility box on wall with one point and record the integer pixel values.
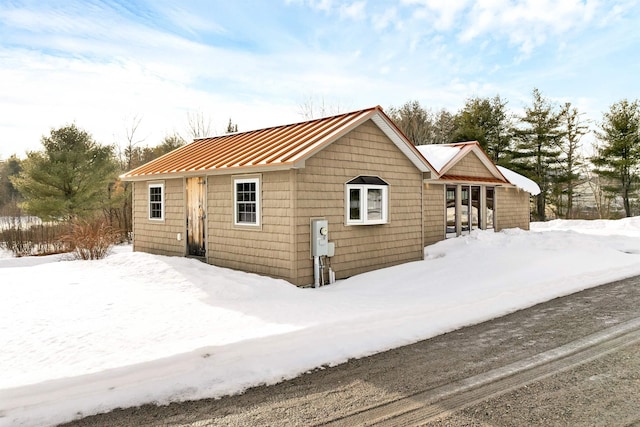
(319, 237)
(321, 247)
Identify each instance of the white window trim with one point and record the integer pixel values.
(162, 200)
(237, 181)
(364, 220)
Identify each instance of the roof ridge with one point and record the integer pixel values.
(334, 116)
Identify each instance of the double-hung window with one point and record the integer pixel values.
(246, 201)
(367, 201)
(156, 201)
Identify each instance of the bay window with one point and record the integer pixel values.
(367, 201)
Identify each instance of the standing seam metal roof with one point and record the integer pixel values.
(275, 146)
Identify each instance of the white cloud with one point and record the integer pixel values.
(355, 10)
(526, 24)
(192, 22)
(384, 19)
(442, 14)
(97, 65)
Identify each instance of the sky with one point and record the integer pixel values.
(83, 337)
(107, 64)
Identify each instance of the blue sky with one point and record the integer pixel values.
(104, 63)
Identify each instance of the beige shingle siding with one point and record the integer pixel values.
(263, 250)
(160, 237)
(470, 165)
(434, 213)
(321, 193)
(512, 208)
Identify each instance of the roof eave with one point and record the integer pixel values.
(238, 170)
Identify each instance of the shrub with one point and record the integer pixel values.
(91, 239)
(23, 239)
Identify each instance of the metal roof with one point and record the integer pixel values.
(284, 146)
(465, 178)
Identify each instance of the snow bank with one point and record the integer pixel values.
(82, 337)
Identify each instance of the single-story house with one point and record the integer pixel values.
(349, 190)
(470, 192)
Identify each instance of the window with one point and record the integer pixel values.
(490, 202)
(451, 212)
(367, 201)
(474, 210)
(247, 201)
(156, 201)
(464, 209)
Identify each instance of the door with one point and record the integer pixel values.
(196, 216)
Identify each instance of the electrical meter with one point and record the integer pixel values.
(319, 237)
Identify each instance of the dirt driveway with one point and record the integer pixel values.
(601, 389)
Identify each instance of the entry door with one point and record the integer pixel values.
(196, 216)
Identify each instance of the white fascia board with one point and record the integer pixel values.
(402, 144)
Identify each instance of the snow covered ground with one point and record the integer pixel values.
(82, 337)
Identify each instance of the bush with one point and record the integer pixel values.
(23, 239)
(91, 240)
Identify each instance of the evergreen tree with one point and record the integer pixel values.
(9, 195)
(537, 149)
(69, 178)
(487, 121)
(231, 128)
(618, 155)
(570, 161)
(443, 128)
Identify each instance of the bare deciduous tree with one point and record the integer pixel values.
(198, 126)
(315, 108)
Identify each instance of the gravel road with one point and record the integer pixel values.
(604, 391)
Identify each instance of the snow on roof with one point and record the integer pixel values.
(438, 155)
(441, 154)
(520, 181)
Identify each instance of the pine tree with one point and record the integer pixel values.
(9, 195)
(618, 155)
(570, 162)
(231, 128)
(487, 121)
(537, 147)
(69, 178)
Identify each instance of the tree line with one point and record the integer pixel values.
(544, 143)
(72, 176)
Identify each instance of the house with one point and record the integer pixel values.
(336, 196)
(470, 192)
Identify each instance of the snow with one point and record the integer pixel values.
(438, 155)
(83, 337)
(520, 181)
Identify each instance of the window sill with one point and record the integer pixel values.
(248, 227)
(367, 223)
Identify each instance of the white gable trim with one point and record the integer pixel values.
(403, 144)
(481, 155)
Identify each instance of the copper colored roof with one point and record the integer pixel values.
(284, 146)
(471, 178)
